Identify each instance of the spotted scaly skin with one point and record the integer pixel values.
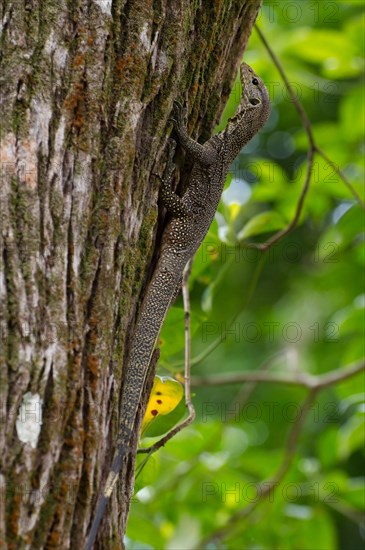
(191, 218)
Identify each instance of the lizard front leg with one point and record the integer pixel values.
(205, 154)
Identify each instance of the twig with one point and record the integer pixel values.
(338, 375)
(188, 402)
(341, 175)
(280, 234)
(299, 379)
(297, 104)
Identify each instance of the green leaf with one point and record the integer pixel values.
(327, 447)
(335, 51)
(355, 493)
(352, 113)
(172, 337)
(262, 223)
(351, 435)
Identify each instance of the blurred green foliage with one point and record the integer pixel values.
(297, 308)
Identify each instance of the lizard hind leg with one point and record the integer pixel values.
(169, 199)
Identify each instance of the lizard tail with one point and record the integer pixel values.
(103, 501)
(104, 498)
(154, 308)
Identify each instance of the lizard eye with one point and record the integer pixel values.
(255, 81)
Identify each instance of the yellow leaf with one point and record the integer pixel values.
(166, 394)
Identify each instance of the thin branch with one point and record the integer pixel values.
(280, 234)
(186, 299)
(304, 117)
(310, 154)
(188, 402)
(299, 379)
(331, 378)
(341, 175)
(297, 104)
(313, 148)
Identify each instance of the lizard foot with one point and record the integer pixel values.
(180, 114)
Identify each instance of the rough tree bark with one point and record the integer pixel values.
(87, 90)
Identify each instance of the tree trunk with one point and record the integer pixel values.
(86, 94)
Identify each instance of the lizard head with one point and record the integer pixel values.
(252, 112)
(254, 92)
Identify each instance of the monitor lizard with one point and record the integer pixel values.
(192, 215)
